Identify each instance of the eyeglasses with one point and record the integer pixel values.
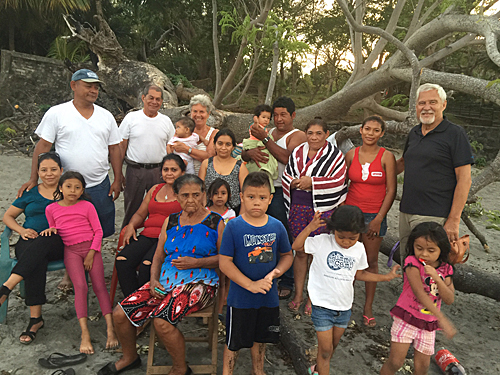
(51, 153)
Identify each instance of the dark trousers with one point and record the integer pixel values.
(104, 206)
(33, 256)
(277, 210)
(138, 181)
(136, 252)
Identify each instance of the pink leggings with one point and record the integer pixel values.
(74, 256)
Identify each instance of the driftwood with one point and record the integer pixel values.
(466, 279)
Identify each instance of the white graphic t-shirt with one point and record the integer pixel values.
(332, 271)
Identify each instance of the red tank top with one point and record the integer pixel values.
(367, 186)
(158, 212)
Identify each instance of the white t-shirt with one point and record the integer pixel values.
(81, 143)
(147, 136)
(332, 271)
(190, 141)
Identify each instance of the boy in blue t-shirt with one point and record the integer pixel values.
(254, 251)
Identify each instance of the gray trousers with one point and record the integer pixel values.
(138, 181)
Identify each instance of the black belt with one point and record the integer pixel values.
(133, 164)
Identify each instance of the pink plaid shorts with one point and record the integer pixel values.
(405, 333)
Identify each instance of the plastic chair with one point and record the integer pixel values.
(208, 313)
(7, 264)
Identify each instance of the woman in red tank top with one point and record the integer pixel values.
(372, 187)
(157, 205)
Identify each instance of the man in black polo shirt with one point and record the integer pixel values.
(437, 163)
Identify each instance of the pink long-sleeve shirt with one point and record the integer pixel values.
(75, 224)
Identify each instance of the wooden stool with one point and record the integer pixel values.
(209, 314)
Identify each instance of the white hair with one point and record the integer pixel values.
(202, 99)
(431, 86)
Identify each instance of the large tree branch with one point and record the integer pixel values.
(409, 54)
(448, 50)
(215, 41)
(388, 113)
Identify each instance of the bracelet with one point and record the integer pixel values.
(190, 150)
(265, 140)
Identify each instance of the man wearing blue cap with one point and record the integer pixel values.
(84, 135)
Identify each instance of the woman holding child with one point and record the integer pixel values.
(183, 269)
(33, 251)
(200, 107)
(158, 204)
(372, 187)
(224, 166)
(313, 181)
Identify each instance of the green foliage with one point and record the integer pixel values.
(401, 179)
(492, 83)
(6, 132)
(474, 209)
(43, 107)
(399, 100)
(477, 148)
(62, 49)
(493, 219)
(176, 78)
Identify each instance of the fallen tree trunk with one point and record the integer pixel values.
(466, 279)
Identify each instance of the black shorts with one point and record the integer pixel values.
(244, 327)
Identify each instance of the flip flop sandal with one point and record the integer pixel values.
(56, 360)
(307, 310)
(368, 320)
(110, 368)
(31, 334)
(68, 371)
(294, 306)
(312, 370)
(286, 295)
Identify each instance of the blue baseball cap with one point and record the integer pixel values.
(85, 75)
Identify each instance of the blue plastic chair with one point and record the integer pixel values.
(7, 264)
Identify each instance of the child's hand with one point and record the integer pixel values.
(89, 260)
(317, 222)
(431, 271)
(48, 232)
(260, 286)
(272, 275)
(449, 329)
(394, 272)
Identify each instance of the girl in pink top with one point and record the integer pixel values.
(75, 219)
(372, 188)
(417, 314)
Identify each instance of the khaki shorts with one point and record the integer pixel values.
(406, 224)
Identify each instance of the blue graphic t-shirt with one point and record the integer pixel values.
(332, 271)
(255, 251)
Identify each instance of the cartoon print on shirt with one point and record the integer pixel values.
(336, 261)
(263, 253)
(262, 247)
(433, 292)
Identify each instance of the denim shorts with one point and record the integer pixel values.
(383, 225)
(325, 319)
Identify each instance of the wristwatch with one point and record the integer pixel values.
(265, 140)
(190, 150)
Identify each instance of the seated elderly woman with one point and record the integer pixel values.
(183, 269)
(200, 107)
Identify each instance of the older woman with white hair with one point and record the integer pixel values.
(200, 107)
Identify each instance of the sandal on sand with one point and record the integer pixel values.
(312, 370)
(4, 291)
(287, 292)
(294, 306)
(369, 322)
(56, 360)
(110, 368)
(31, 334)
(69, 371)
(307, 310)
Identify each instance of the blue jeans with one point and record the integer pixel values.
(277, 210)
(104, 206)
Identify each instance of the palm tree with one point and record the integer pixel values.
(27, 15)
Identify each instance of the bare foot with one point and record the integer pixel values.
(65, 283)
(86, 346)
(112, 341)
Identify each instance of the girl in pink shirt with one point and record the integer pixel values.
(75, 219)
(417, 314)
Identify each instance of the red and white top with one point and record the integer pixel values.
(367, 187)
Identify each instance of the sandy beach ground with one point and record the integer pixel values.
(361, 351)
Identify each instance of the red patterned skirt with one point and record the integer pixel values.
(179, 302)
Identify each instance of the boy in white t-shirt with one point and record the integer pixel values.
(338, 260)
(184, 132)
